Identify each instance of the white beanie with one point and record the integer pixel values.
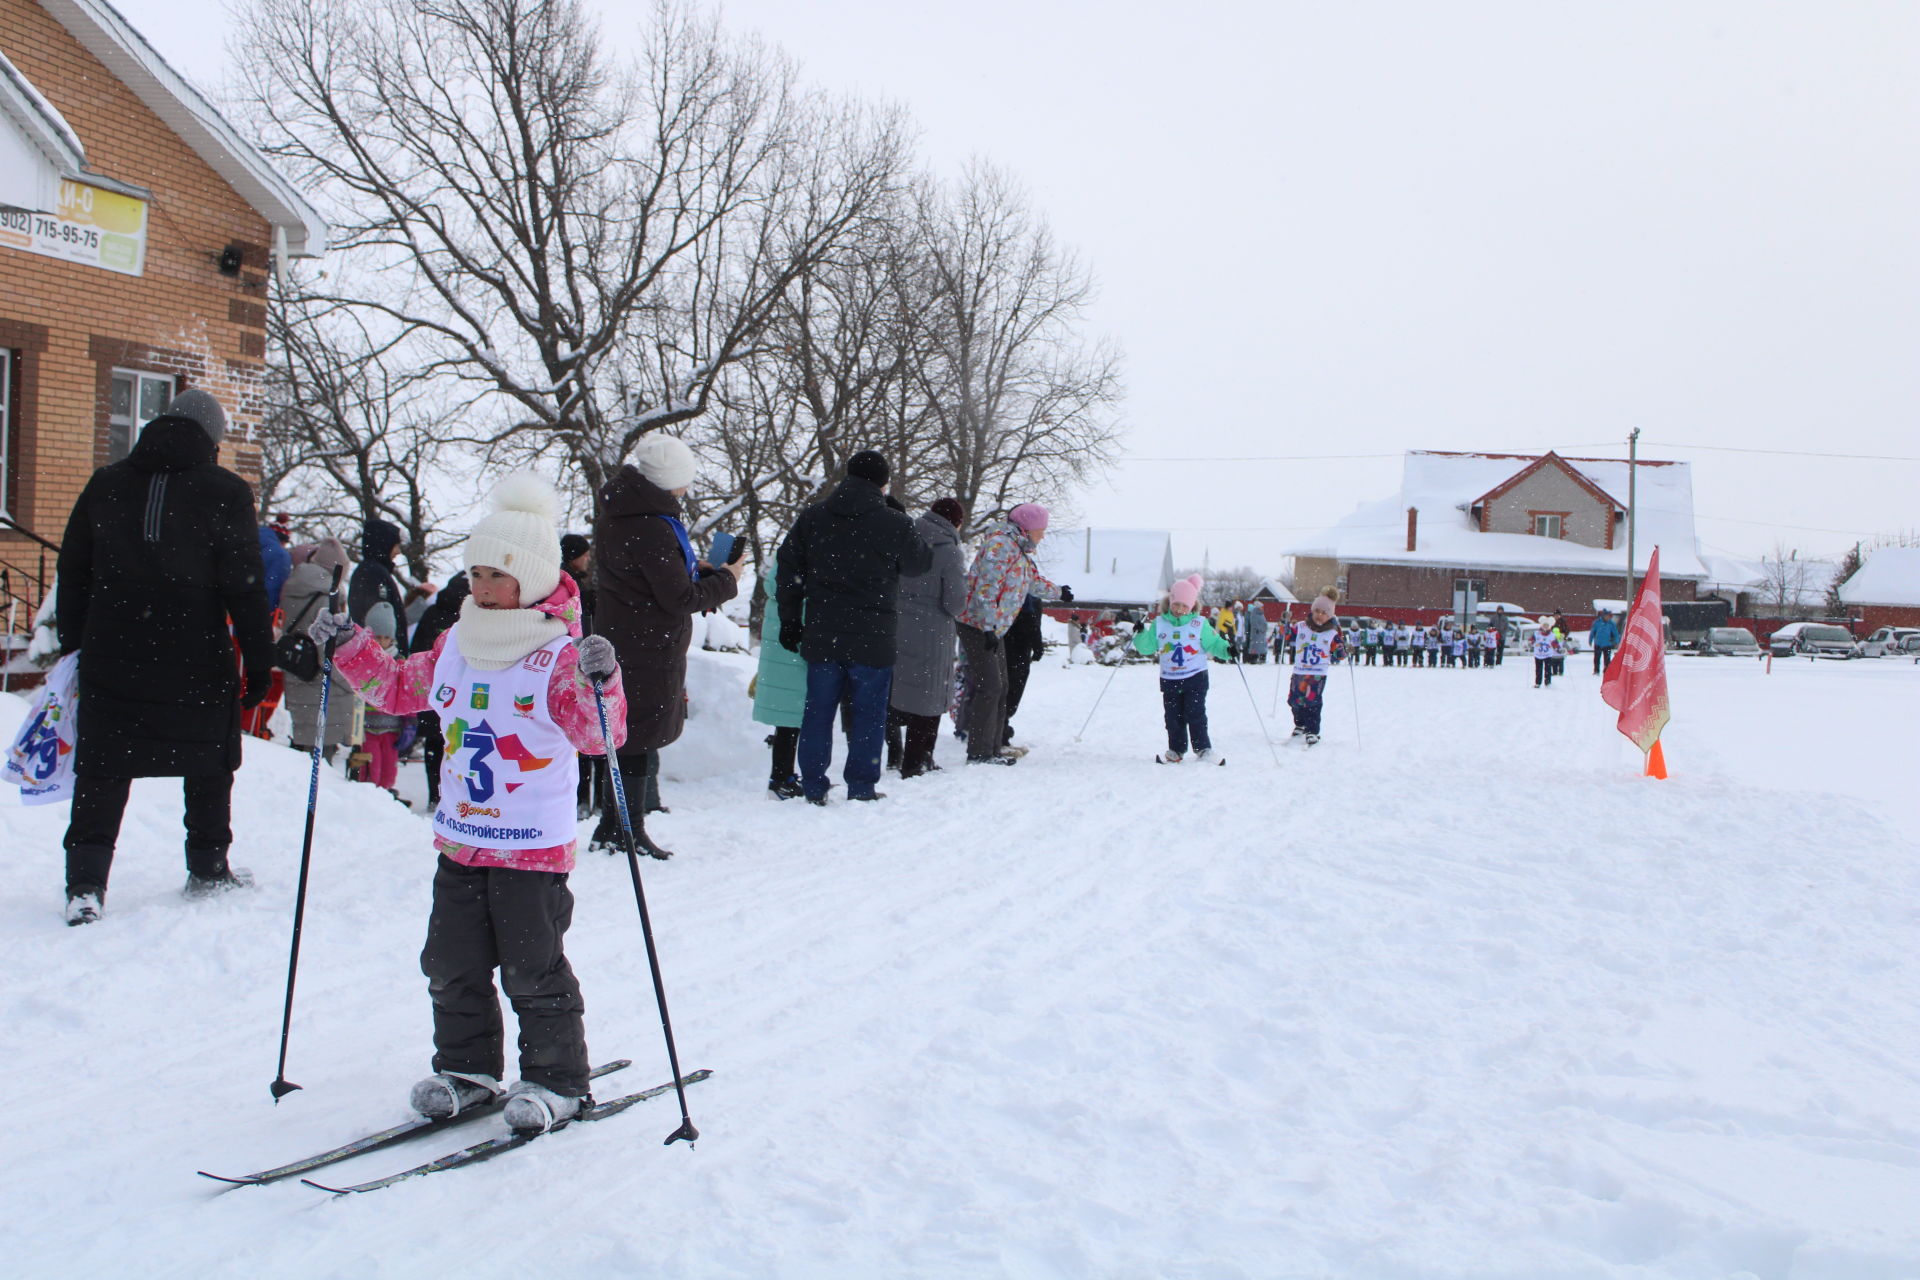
(664, 460)
(520, 536)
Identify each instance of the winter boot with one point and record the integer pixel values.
(1312, 738)
(643, 843)
(787, 788)
(534, 1108)
(84, 908)
(448, 1093)
(1204, 754)
(209, 875)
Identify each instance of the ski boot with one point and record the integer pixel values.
(534, 1108)
(448, 1093)
(198, 887)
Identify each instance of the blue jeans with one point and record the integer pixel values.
(828, 683)
(1185, 703)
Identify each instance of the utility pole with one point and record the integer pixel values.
(1633, 505)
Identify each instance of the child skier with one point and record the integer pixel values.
(513, 684)
(1544, 648)
(1182, 640)
(1317, 646)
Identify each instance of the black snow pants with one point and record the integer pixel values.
(1184, 703)
(93, 827)
(516, 921)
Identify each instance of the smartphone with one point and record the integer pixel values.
(723, 549)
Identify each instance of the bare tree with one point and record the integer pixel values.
(592, 245)
(1025, 409)
(1785, 581)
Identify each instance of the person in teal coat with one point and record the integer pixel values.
(779, 692)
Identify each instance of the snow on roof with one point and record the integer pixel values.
(1278, 590)
(1444, 485)
(1734, 574)
(126, 53)
(29, 108)
(1109, 566)
(1891, 575)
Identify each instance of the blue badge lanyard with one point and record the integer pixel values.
(686, 546)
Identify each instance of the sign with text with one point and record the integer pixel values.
(89, 225)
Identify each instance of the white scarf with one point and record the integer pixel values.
(495, 639)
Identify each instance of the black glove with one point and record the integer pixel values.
(1066, 593)
(895, 504)
(992, 643)
(790, 633)
(254, 691)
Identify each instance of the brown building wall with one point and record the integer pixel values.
(1418, 587)
(1551, 491)
(73, 324)
(1874, 616)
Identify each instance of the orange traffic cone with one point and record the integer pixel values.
(1656, 762)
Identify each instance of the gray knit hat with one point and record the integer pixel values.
(203, 409)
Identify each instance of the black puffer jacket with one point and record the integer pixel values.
(840, 569)
(160, 551)
(373, 580)
(442, 613)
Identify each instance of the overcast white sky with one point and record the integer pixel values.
(1365, 227)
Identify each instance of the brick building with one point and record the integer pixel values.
(137, 232)
(1885, 591)
(1540, 532)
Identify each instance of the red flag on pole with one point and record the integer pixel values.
(1636, 683)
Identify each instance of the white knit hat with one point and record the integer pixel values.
(664, 460)
(520, 536)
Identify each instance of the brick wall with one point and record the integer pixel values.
(1874, 616)
(1382, 586)
(74, 324)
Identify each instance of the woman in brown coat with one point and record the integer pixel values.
(651, 584)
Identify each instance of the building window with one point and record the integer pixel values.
(1549, 526)
(8, 360)
(138, 398)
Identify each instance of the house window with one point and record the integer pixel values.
(138, 398)
(8, 360)
(1549, 526)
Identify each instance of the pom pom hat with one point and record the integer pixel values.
(1185, 592)
(664, 460)
(519, 536)
(1029, 517)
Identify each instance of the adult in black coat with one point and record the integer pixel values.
(373, 581)
(840, 570)
(435, 622)
(650, 585)
(161, 551)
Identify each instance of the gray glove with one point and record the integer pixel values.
(328, 626)
(598, 662)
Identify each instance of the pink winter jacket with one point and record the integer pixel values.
(403, 687)
(1001, 579)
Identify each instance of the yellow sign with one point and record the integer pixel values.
(90, 225)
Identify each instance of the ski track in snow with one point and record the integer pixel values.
(1462, 997)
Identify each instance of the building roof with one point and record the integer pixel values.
(126, 53)
(1278, 591)
(1444, 487)
(1891, 575)
(1109, 566)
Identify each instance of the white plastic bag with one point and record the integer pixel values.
(40, 761)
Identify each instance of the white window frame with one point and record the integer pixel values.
(132, 422)
(1549, 526)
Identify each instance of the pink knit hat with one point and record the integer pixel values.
(1185, 591)
(1029, 517)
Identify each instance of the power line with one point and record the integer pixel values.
(1790, 453)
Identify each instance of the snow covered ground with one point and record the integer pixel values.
(1456, 994)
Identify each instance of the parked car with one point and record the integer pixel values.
(1815, 639)
(1887, 640)
(1730, 642)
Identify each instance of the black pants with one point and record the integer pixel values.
(93, 828)
(986, 694)
(786, 741)
(516, 921)
(433, 750)
(1184, 701)
(916, 736)
(1017, 671)
(1542, 671)
(1602, 659)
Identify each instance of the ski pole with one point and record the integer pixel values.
(282, 1086)
(1097, 701)
(686, 1131)
(1255, 702)
(1354, 698)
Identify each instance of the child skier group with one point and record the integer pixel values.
(1440, 645)
(1183, 640)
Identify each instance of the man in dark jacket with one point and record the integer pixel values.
(373, 581)
(161, 551)
(434, 623)
(840, 570)
(650, 585)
